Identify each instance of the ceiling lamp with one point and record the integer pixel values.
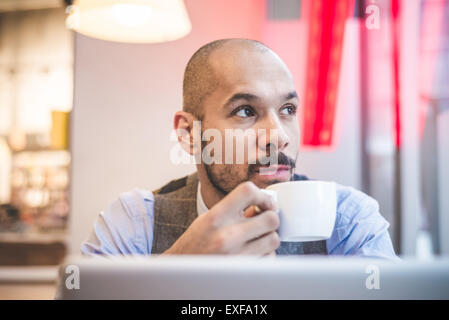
(132, 21)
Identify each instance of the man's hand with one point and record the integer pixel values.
(234, 226)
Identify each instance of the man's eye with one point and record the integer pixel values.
(244, 112)
(289, 110)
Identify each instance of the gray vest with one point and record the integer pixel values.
(175, 209)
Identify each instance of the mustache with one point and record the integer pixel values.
(279, 159)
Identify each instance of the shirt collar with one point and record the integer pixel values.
(200, 205)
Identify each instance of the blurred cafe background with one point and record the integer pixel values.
(88, 90)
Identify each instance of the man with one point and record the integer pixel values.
(234, 84)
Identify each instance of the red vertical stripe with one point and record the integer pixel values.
(395, 12)
(327, 20)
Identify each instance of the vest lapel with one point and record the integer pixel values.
(299, 248)
(174, 211)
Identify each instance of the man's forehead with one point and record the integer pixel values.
(243, 66)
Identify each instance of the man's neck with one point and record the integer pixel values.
(209, 193)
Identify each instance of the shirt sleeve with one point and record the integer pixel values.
(124, 228)
(360, 229)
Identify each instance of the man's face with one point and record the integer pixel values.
(255, 91)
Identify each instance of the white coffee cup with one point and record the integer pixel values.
(307, 209)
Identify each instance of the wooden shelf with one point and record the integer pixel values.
(42, 238)
(28, 274)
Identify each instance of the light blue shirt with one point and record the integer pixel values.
(126, 227)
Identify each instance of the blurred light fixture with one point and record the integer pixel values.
(132, 21)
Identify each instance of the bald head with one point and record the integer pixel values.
(201, 76)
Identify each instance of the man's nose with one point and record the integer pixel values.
(275, 134)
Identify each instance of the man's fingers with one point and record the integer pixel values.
(263, 245)
(255, 227)
(272, 254)
(251, 211)
(243, 196)
(235, 237)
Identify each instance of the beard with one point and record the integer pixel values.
(226, 177)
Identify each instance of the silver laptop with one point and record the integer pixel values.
(252, 278)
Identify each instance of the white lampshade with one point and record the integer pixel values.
(134, 21)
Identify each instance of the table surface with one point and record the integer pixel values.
(28, 282)
(27, 291)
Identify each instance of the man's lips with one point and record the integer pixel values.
(273, 169)
(277, 172)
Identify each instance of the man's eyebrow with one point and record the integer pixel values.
(241, 96)
(250, 97)
(291, 95)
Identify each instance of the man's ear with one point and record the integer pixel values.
(186, 125)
